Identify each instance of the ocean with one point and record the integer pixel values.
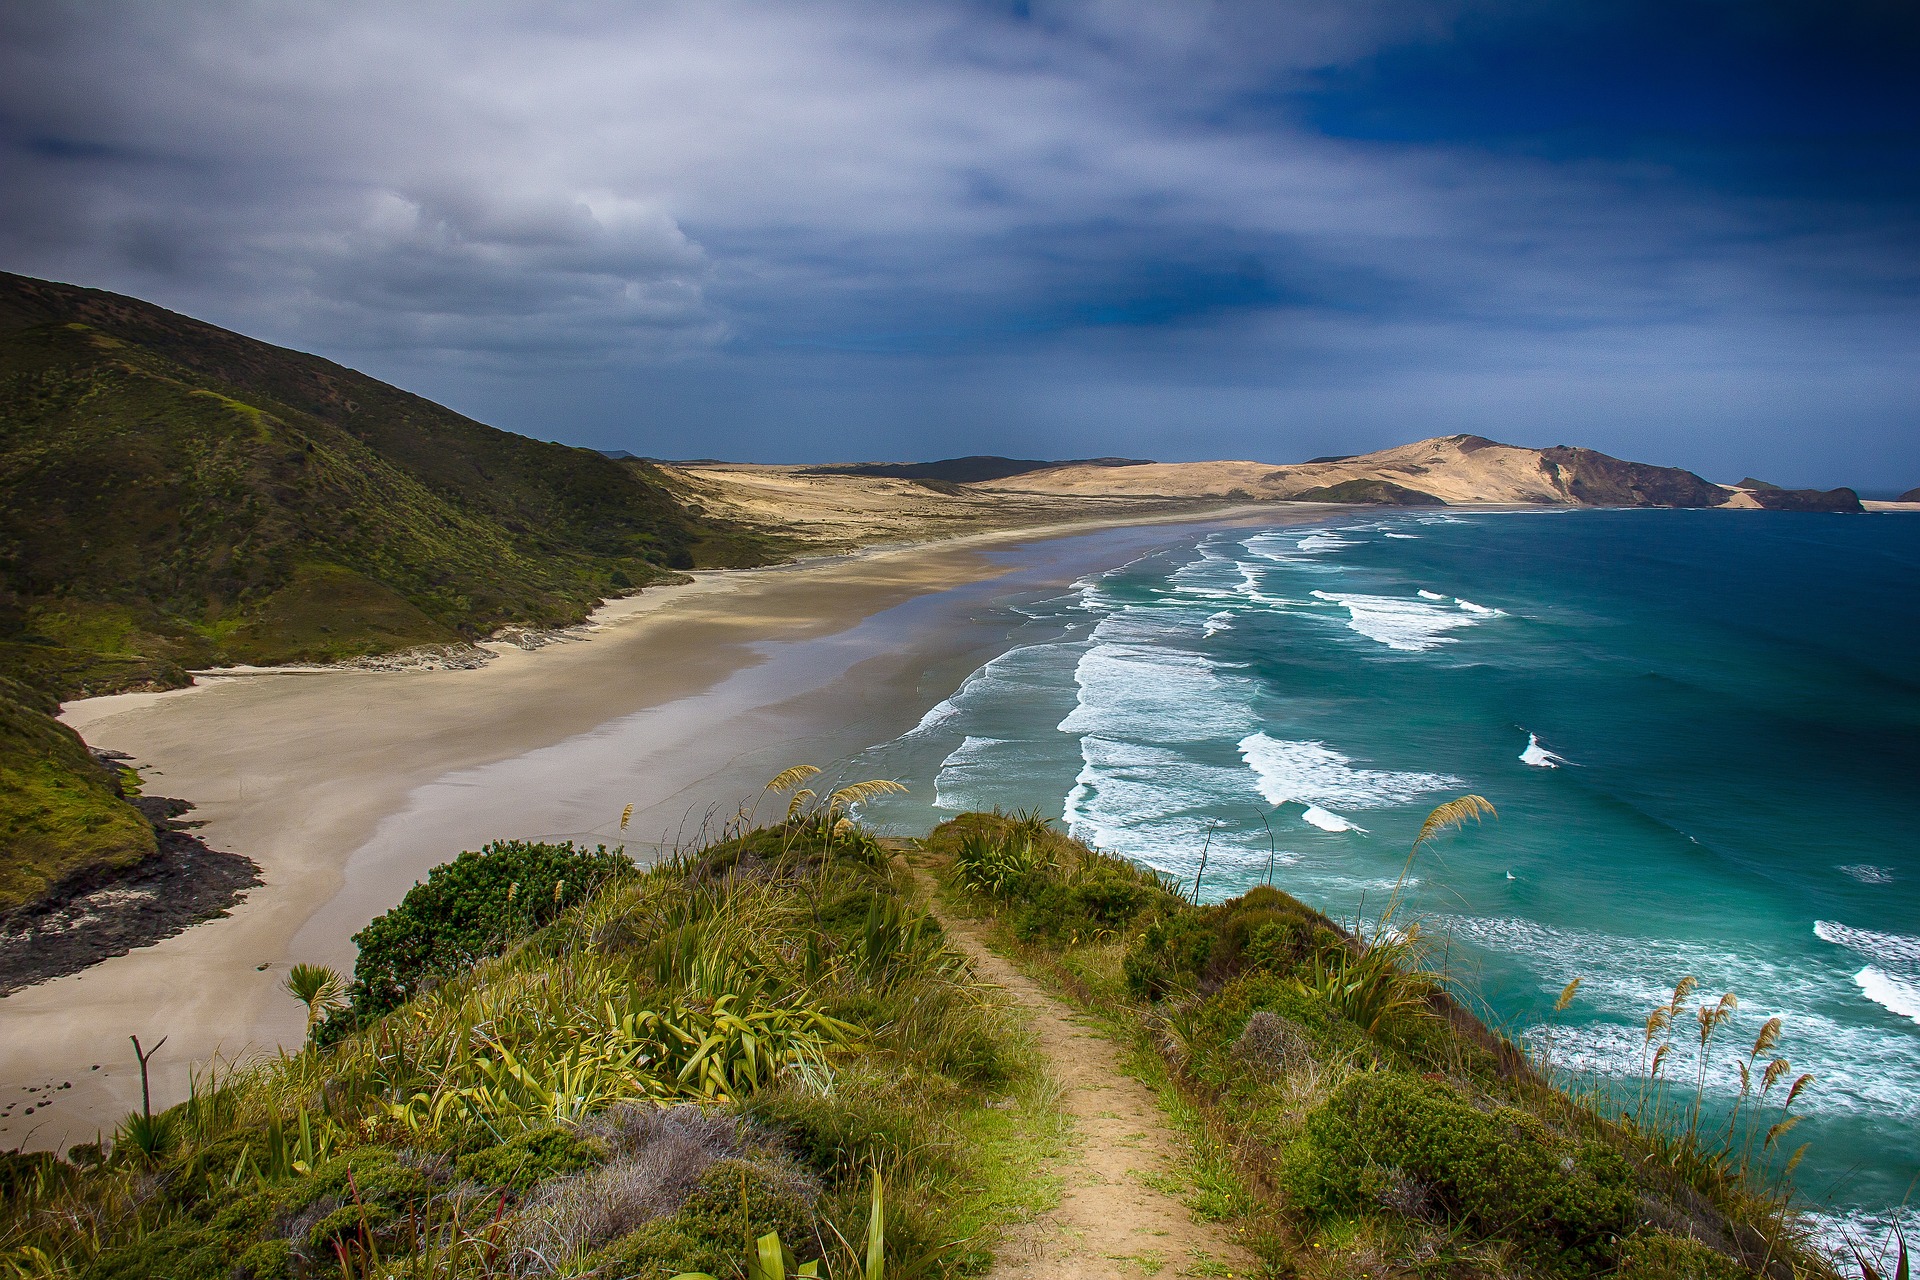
(1701, 731)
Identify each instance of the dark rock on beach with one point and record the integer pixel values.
(92, 919)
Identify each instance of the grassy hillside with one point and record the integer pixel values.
(173, 495)
(640, 1084)
(600, 1071)
(178, 493)
(1351, 1118)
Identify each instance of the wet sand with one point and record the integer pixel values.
(347, 786)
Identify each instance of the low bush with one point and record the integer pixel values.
(465, 911)
(1422, 1149)
(1169, 956)
(529, 1158)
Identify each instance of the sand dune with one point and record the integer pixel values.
(841, 512)
(1453, 469)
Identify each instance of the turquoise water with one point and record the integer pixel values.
(1701, 730)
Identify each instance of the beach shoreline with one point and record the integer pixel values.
(346, 785)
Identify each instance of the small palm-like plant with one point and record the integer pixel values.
(1371, 985)
(319, 988)
(991, 867)
(148, 1136)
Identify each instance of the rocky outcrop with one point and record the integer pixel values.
(1593, 479)
(1805, 499)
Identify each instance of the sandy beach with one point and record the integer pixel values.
(347, 786)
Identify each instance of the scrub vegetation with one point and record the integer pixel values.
(1350, 1117)
(762, 1050)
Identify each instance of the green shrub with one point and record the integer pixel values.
(1280, 946)
(530, 1158)
(1387, 1142)
(374, 1174)
(347, 1223)
(184, 1251)
(267, 1260)
(1169, 956)
(1657, 1255)
(466, 910)
(841, 1135)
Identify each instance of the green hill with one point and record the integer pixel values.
(175, 492)
(174, 495)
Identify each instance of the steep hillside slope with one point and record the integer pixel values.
(174, 495)
(171, 490)
(1452, 469)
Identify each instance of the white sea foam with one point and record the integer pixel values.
(1250, 588)
(1222, 621)
(1538, 756)
(1889, 992)
(1316, 776)
(1430, 595)
(1152, 803)
(1408, 625)
(963, 771)
(1315, 816)
(1154, 693)
(1324, 542)
(1867, 873)
(1479, 610)
(1405, 537)
(1896, 951)
(1839, 1232)
(1892, 979)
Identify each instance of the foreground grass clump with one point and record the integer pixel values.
(1348, 1115)
(653, 1080)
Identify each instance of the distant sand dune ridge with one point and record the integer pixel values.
(1462, 469)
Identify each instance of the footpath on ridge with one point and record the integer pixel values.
(1113, 1219)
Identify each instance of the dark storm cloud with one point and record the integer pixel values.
(1682, 230)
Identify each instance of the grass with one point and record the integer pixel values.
(649, 1081)
(1344, 1115)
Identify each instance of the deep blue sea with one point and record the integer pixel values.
(1701, 731)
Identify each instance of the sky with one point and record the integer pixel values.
(1680, 231)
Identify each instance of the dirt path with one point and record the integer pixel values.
(1114, 1218)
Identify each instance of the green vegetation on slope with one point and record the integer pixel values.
(176, 493)
(1353, 1117)
(61, 811)
(1376, 492)
(637, 1085)
(173, 495)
